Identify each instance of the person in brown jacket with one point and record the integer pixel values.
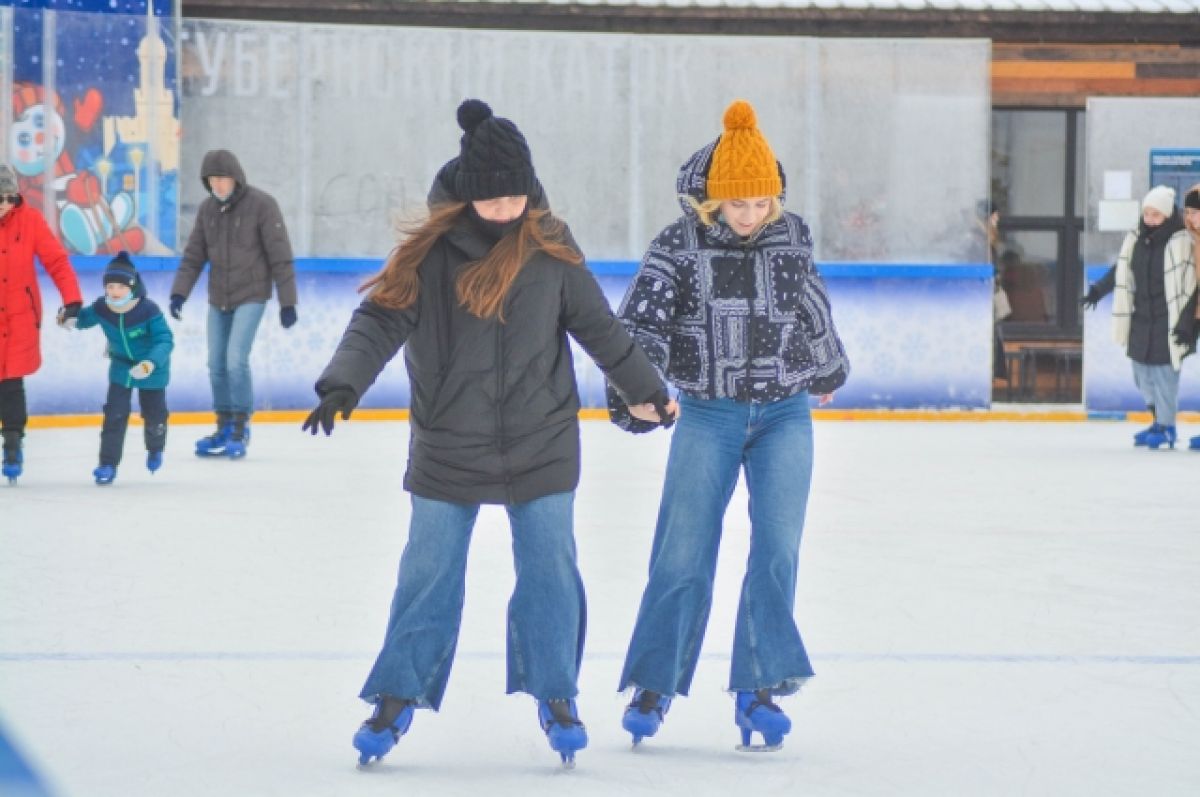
(239, 231)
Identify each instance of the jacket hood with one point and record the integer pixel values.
(221, 163)
(692, 181)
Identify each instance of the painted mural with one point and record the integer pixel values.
(94, 129)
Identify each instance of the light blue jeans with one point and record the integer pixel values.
(1159, 386)
(713, 441)
(547, 614)
(230, 337)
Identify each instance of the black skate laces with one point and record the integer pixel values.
(762, 699)
(386, 711)
(560, 712)
(646, 702)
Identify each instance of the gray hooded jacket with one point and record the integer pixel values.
(243, 238)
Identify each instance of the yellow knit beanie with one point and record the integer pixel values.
(743, 164)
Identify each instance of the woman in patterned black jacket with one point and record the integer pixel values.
(729, 307)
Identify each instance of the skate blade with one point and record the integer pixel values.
(759, 748)
(568, 763)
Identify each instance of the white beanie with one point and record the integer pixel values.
(1161, 198)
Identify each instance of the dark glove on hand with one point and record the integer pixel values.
(1187, 336)
(659, 400)
(69, 311)
(177, 307)
(287, 316)
(338, 399)
(1090, 299)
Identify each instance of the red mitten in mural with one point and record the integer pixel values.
(87, 110)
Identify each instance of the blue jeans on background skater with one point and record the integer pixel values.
(1159, 386)
(546, 613)
(713, 441)
(230, 337)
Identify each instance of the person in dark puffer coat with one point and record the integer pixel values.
(1153, 284)
(482, 297)
(728, 305)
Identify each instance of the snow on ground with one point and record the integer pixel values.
(992, 609)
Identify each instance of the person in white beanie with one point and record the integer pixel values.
(1151, 282)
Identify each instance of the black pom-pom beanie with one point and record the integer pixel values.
(494, 160)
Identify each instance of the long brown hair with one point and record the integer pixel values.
(484, 284)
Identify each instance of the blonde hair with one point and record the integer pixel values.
(483, 285)
(707, 210)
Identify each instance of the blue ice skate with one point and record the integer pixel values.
(214, 444)
(755, 713)
(104, 475)
(1165, 435)
(560, 721)
(1139, 439)
(235, 448)
(239, 438)
(153, 460)
(379, 734)
(13, 457)
(645, 714)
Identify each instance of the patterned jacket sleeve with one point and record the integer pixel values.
(832, 364)
(648, 312)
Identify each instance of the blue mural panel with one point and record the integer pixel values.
(95, 131)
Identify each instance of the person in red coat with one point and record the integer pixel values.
(23, 235)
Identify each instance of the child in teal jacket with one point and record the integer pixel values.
(139, 346)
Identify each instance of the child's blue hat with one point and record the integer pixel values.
(121, 270)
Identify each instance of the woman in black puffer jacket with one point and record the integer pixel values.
(482, 297)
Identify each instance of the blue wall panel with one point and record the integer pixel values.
(918, 336)
(1107, 373)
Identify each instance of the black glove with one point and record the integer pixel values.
(1187, 335)
(659, 400)
(1090, 299)
(69, 311)
(338, 399)
(287, 316)
(177, 307)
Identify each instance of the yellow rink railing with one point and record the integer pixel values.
(297, 416)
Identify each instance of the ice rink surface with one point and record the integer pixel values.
(991, 609)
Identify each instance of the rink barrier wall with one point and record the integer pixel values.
(297, 417)
(918, 336)
(1107, 373)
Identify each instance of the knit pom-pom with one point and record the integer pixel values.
(471, 113)
(739, 116)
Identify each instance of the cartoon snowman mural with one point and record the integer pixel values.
(90, 220)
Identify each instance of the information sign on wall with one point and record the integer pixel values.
(1177, 168)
